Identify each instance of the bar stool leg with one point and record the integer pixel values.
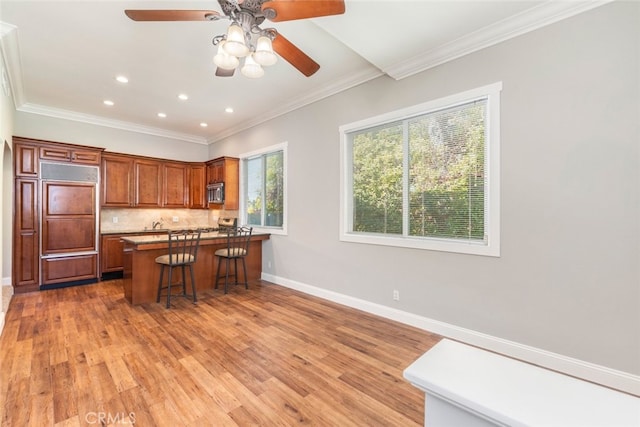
(160, 282)
(193, 284)
(244, 268)
(226, 279)
(169, 287)
(184, 282)
(218, 273)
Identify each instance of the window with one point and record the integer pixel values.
(425, 177)
(263, 201)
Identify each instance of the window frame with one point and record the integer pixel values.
(491, 244)
(243, 186)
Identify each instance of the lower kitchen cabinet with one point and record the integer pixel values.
(111, 262)
(78, 268)
(111, 254)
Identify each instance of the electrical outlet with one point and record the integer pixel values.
(396, 295)
(114, 219)
(176, 219)
(269, 264)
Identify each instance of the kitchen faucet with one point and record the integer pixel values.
(155, 224)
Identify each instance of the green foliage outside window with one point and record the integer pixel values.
(445, 178)
(265, 190)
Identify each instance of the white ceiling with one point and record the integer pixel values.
(63, 57)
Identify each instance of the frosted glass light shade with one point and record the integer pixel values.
(223, 59)
(264, 52)
(235, 44)
(251, 68)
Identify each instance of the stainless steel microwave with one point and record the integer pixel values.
(215, 192)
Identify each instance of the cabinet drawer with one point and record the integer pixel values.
(50, 153)
(86, 157)
(66, 269)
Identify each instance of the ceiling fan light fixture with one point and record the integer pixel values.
(264, 52)
(235, 44)
(251, 68)
(223, 59)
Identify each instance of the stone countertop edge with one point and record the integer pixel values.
(163, 238)
(162, 230)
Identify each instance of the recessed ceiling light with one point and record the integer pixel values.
(108, 102)
(203, 124)
(183, 97)
(229, 110)
(162, 115)
(122, 79)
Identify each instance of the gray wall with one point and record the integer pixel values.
(568, 280)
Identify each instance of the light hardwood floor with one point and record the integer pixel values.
(268, 356)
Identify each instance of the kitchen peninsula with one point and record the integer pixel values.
(141, 273)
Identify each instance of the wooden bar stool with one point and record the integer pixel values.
(183, 252)
(237, 249)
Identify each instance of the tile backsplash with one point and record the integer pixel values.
(125, 220)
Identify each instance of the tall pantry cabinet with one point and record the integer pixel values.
(63, 199)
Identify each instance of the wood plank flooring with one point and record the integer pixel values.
(267, 356)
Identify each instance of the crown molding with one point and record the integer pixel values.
(529, 20)
(101, 121)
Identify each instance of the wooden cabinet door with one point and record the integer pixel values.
(25, 160)
(215, 171)
(111, 253)
(148, 183)
(175, 185)
(25, 244)
(198, 187)
(61, 154)
(231, 183)
(68, 154)
(117, 181)
(68, 217)
(87, 157)
(66, 269)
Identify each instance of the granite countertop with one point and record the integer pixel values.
(149, 238)
(147, 230)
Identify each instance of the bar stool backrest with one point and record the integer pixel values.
(238, 242)
(183, 246)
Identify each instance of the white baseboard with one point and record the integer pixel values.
(619, 380)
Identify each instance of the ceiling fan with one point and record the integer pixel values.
(246, 16)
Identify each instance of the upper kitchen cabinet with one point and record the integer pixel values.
(28, 152)
(148, 183)
(175, 185)
(117, 181)
(144, 182)
(66, 154)
(226, 170)
(197, 186)
(25, 159)
(215, 171)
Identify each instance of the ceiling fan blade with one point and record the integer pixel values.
(223, 72)
(294, 56)
(172, 15)
(288, 10)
